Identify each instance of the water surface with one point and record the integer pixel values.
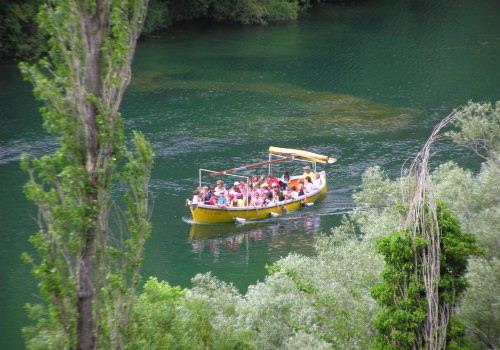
(362, 82)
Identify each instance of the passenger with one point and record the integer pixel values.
(234, 193)
(206, 195)
(287, 193)
(279, 195)
(196, 196)
(231, 197)
(254, 181)
(222, 201)
(308, 172)
(252, 192)
(272, 181)
(284, 180)
(299, 186)
(270, 199)
(256, 201)
(213, 200)
(309, 186)
(294, 194)
(300, 189)
(220, 189)
(263, 182)
(240, 202)
(242, 188)
(318, 183)
(263, 190)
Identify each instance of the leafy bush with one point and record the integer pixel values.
(305, 302)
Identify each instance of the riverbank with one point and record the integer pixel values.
(22, 40)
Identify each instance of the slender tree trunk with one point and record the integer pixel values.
(94, 26)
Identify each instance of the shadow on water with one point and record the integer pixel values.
(231, 237)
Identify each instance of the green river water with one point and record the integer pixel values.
(364, 82)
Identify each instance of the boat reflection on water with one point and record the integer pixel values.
(230, 237)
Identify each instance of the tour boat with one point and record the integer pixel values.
(204, 213)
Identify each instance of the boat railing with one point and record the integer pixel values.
(247, 207)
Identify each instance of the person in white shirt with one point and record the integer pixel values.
(220, 189)
(317, 181)
(309, 186)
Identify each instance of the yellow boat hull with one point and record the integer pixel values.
(211, 214)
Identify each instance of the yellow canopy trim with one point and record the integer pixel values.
(313, 157)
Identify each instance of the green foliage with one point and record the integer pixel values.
(242, 11)
(456, 249)
(480, 307)
(20, 37)
(401, 293)
(315, 302)
(158, 17)
(72, 186)
(479, 127)
(167, 317)
(474, 200)
(402, 309)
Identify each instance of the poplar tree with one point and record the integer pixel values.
(88, 249)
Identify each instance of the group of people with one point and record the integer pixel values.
(260, 191)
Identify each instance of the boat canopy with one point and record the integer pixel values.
(310, 156)
(283, 155)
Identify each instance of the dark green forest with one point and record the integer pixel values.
(22, 39)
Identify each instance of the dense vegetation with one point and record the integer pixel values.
(19, 34)
(20, 37)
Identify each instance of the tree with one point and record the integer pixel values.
(403, 308)
(479, 128)
(86, 273)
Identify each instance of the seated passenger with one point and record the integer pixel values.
(279, 195)
(256, 200)
(318, 182)
(309, 186)
(196, 196)
(287, 193)
(308, 172)
(220, 189)
(300, 190)
(234, 192)
(206, 195)
(222, 201)
(284, 180)
(270, 199)
(254, 182)
(242, 187)
(272, 181)
(294, 194)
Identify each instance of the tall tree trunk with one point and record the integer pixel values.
(94, 26)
